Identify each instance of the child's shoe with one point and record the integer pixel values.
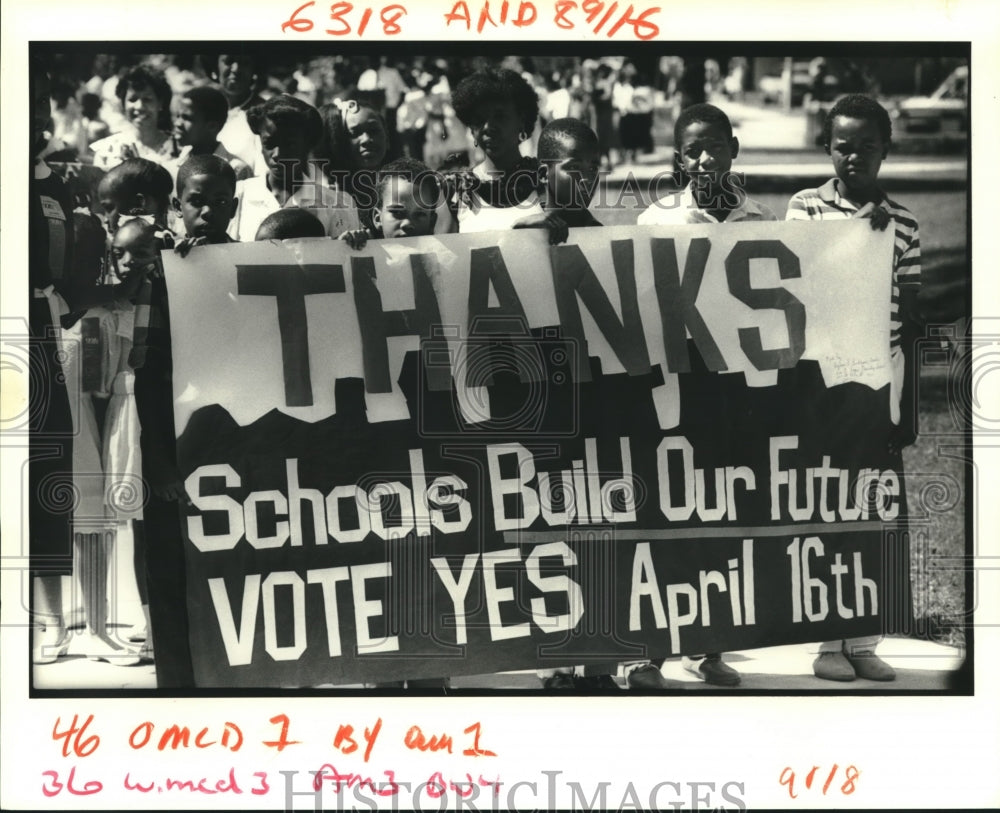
(712, 670)
(136, 634)
(647, 676)
(49, 644)
(833, 666)
(869, 666)
(98, 648)
(597, 683)
(559, 681)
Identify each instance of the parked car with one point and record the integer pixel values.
(945, 111)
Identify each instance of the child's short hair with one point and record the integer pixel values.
(702, 114)
(139, 176)
(211, 165)
(89, 244)
(417, 173)
(289, 112)
(210, 102)
(90, 105)
(289, 224)
(491, 84)
(555, 134)
(858, 106)
(141, 77)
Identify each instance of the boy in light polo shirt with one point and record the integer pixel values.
(857, 135)
(704, 148)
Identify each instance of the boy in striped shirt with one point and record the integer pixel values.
(857, 135)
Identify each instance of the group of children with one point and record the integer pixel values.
(213, 198)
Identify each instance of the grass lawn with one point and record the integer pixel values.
(934, 469)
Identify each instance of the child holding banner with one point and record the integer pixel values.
(205, 201)
(500, 109)
(407, 194)
(857, 135)
(406, 198)
(137, 245)
(570, 158)
(704, 150)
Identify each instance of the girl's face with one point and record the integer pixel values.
(142, 107)
(497, 126)
(369, 139)
(285, 152)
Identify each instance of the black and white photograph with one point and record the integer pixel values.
(667, 405)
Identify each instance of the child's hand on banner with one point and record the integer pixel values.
(900, 437)
(355, 238)
(183, 246)
(879, 217)
(558, 230)
(167, 484)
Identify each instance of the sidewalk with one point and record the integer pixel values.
(768, 171)
(921, 666)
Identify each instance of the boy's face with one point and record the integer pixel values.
(191, 127)
(134, 250)
(572, 176)
(406, 210)
(142, 106)
(236, 75)
(858, 150)
(706, 152)
(284, 151)
(368, 137)
(206, 206)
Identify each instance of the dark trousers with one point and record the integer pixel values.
(166, 584)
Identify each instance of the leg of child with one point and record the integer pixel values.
(140, 634)
(93, 551)
(50, 638)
